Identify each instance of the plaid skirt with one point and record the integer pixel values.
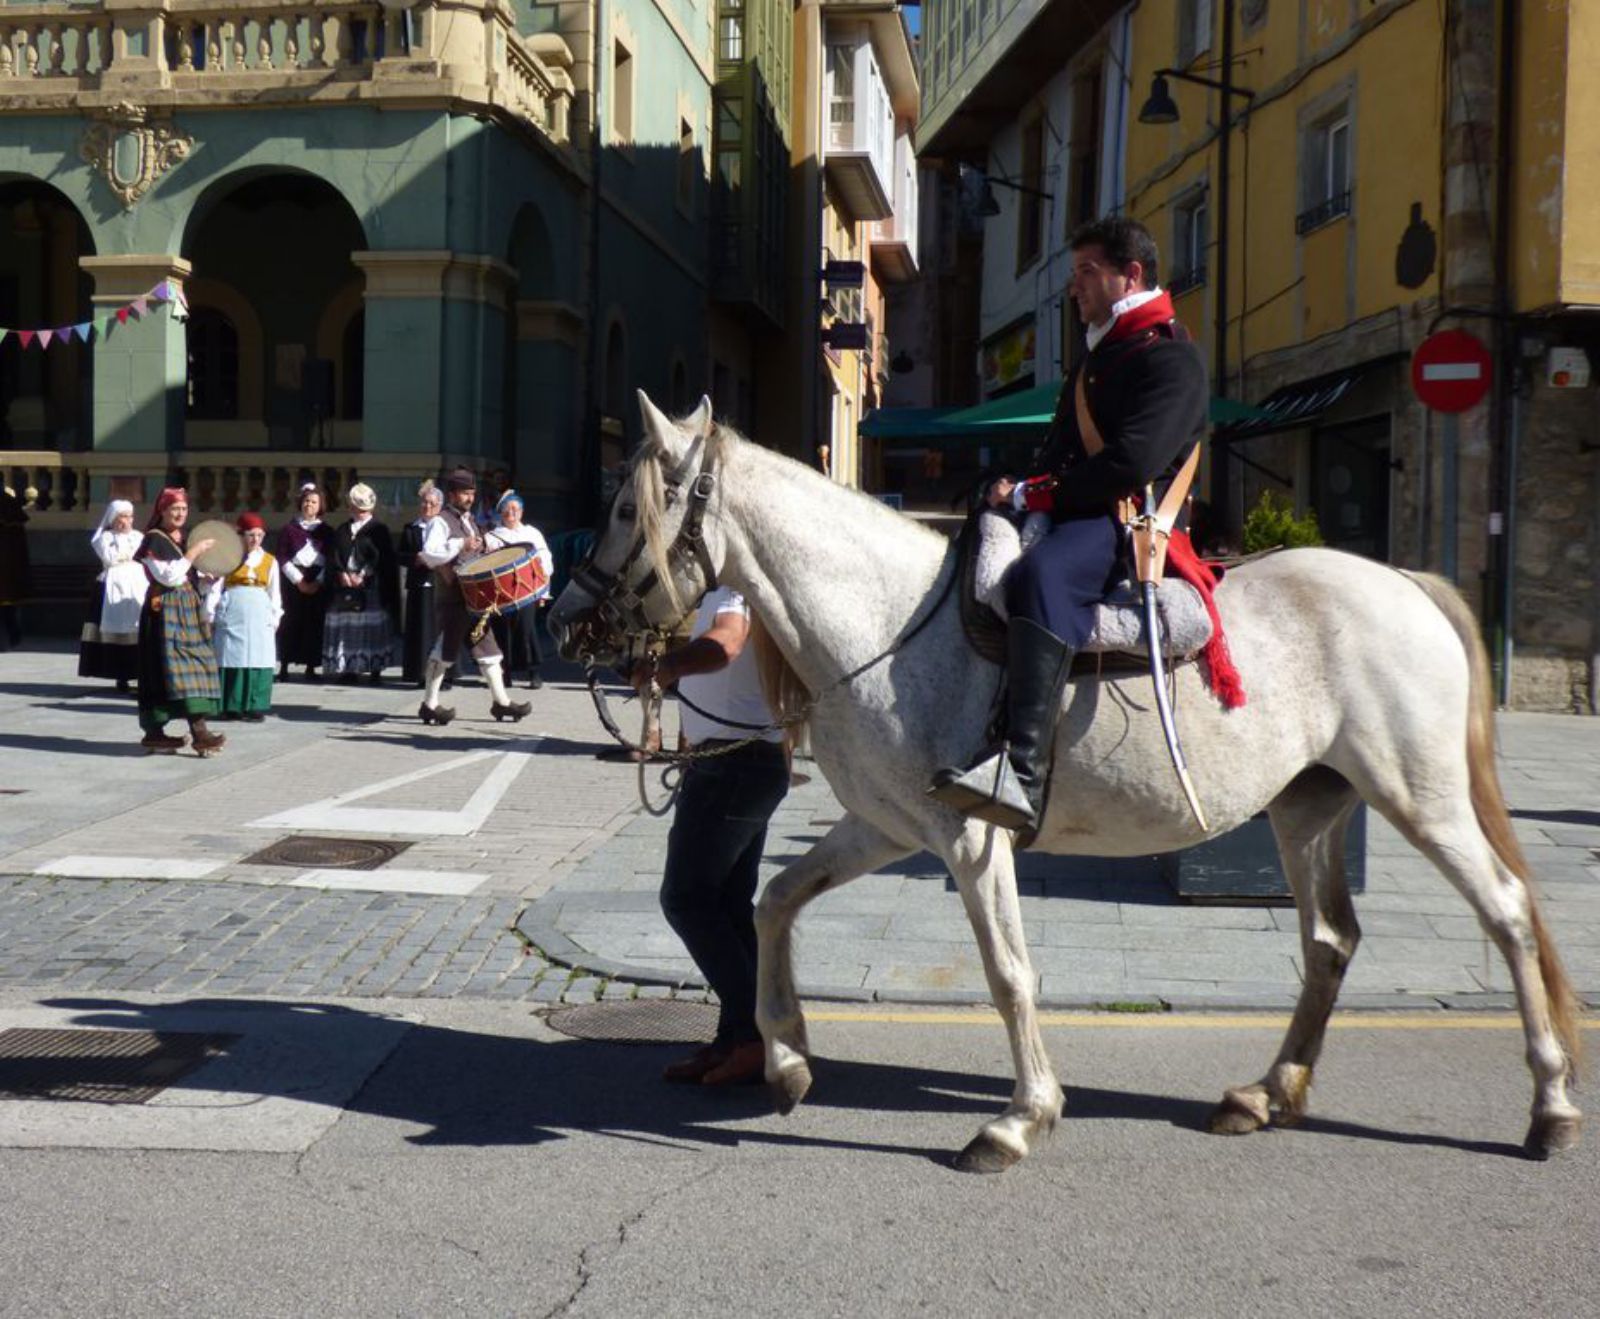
(175, 645)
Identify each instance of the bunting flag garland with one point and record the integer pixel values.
(165, 293)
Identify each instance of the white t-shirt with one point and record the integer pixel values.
(733, 692)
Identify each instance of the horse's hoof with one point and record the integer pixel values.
(984, 1154)
(1235, 1116)
(789, 1087)
(1549, 1135)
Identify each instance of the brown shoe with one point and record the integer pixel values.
(157, 743)
(203, 740)
(745, 1064)
(690, 1070)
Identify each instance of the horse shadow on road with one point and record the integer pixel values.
(469, 1088)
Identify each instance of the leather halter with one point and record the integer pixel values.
(631, 606)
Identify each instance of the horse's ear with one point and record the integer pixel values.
(699, 421)
(658, 427)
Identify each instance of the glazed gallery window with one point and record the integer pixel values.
(730, 22)
(1030, 205)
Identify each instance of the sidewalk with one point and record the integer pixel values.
(529, 870)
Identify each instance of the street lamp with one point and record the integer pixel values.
(1160, 108)
(987, 206)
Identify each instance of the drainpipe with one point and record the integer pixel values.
(589, 472)
(1507, 409)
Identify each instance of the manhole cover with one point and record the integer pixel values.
(639, 1021)
(102, 1066)
(328, 853)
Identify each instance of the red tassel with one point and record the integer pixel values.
(1226, 683)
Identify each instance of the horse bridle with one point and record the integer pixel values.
(645, 608)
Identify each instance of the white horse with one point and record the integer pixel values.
(1363, 683)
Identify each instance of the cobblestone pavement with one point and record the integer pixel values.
(556, 868)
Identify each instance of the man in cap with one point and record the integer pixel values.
(453, 539)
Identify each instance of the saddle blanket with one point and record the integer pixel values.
(1119, 620)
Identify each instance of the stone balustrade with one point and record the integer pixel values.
(66, 55)
(68, 491)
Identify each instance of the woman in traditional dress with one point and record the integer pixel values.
(419, 587)
(109, 647)
(302, 558)
(364, 594)
(245, 608)
(518, 632)
(177, 666)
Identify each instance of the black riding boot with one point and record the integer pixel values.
(1006, 785)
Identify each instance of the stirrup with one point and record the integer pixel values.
(988, 791)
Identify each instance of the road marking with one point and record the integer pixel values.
(1440, 1020)
(443, 883)
(339, 813)
(127, 867)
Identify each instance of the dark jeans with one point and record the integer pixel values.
(713, 863)
(1060, 580)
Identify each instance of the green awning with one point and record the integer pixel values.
(1020, 416)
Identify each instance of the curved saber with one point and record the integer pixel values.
(1169, 725)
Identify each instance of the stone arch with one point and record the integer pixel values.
(45, 396)
(284, 241)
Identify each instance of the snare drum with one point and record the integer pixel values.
(502, 581)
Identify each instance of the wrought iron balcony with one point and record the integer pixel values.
(1324, 211)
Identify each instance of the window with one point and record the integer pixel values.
(841, 98)
(1194, 30)
(353, 351)
(1087, 96)
(621, 93)
(1327, 172)
(213, 344)
(1191, 232)
(688, 159)
(1030, 206)
(731, 28)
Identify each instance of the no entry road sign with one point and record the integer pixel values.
(1450, 371)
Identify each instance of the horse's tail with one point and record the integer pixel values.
(1489, 804)
(786, 695)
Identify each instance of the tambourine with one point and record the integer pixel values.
(224, 556)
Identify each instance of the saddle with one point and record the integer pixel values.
(991, 542)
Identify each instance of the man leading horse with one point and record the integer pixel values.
(1129, 415)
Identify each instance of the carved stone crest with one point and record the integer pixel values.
(131, 148)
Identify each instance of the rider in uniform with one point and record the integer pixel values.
(1128, 415)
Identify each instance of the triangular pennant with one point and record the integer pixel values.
(3, 334)
(26, 336)
(159, 293)
(122, 315)
(84, 330)
(45, 336)
(140, 306)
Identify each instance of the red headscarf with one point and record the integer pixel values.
(173, 494)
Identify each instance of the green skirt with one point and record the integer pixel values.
(246, 691)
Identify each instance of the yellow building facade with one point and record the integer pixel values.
(1395, 168)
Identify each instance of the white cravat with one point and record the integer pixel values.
(1095, 333)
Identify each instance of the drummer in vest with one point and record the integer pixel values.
(177, 666)
(453, 539)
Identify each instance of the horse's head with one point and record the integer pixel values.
(653, 558)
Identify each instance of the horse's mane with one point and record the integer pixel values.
(786, 695)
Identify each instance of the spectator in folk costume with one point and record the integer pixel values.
(16, 583)
(245, 608)
(419, 626)
(302, 559)
(109, 647)
(517, 633)
(177, 666)
(364, 594)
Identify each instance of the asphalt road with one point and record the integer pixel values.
(483, 1164)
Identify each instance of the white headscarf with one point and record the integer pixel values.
(113, 510)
